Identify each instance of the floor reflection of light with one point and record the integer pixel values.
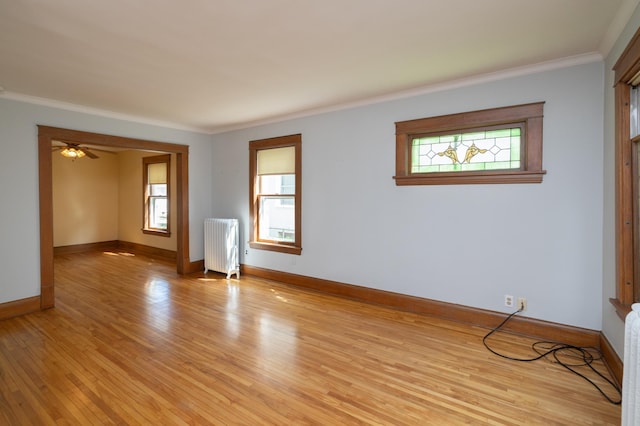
(232, 316)
(122, 253)
(209, 279)
(277, 342)
(277, 295)
(159, 304)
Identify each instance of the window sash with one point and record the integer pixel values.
(477, 149)
(158, 216)
(277, 218)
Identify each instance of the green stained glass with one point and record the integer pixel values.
(415, 153)
(445, 139)
(472, 151)
(473, 166)
(515, 148)
(498, 165)
(473, 136)
(502, 133)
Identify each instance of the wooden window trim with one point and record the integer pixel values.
(254, 147)
(530, 115)
(626, 227)
(165, 158)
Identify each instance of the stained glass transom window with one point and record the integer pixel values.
(489, 149)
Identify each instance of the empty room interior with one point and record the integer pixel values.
(296, 212)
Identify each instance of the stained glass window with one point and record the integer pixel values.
(475, 150)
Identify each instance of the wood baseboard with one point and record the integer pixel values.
(117, 245)
(147, 250)
(611, 358)
(19, 307)
(82, 248)
(197, 266)
(531, 327)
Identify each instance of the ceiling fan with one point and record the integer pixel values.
(74, 150)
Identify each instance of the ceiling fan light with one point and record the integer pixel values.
(72, 153)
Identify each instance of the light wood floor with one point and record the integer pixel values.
(131, 342)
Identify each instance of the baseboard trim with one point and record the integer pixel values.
(148, 250)
(611, 359)
(521, 325)
(83, 248)
(19, 307)
(117, 245)
(197, 266)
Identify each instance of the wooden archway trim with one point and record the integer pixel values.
(46, 135)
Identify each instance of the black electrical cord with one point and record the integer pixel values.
(584, 355)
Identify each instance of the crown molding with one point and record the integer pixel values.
(67, 106)
(430, 88)
(418, 91)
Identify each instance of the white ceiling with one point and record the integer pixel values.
(213, 65)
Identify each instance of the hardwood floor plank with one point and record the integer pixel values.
(132, 342)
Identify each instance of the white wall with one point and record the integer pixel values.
(464, 244)
(19, 221)
(612, 325)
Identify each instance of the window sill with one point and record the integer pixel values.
(503, 176)
(621, 309)
(281, 248)
(156, 232)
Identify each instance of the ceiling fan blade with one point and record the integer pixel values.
(89, 153)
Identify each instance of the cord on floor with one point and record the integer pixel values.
(584, 356)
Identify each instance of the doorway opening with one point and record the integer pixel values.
(46, 135)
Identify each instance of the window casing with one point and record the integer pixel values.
(156, 195)
(499, 145)
(276, 193)
(627, 164)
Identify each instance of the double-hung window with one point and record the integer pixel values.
(275, 188)
(156, 192)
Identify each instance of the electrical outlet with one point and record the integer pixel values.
(246, 252)
(522, 303)
(508, 301)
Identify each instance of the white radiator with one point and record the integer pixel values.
(221, 246)
(631, 372)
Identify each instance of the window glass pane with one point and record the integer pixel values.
(158, 212)
(277, 184)
(494, 149)
(277, 218)
(158, 189)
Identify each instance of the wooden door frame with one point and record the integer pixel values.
(46, 135)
